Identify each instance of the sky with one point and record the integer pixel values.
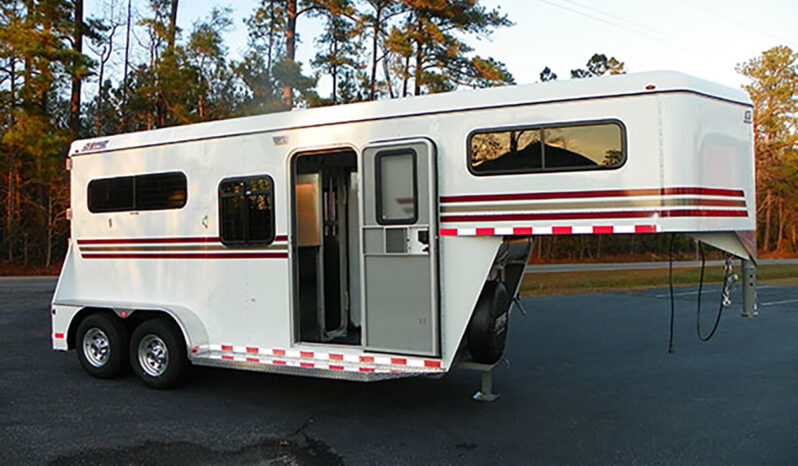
(705, 38)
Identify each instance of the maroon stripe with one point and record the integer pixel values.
(593, 215)
(589, 194)
(223, 255)
(149, 240)
(279, 238)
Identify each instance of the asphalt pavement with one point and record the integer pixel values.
(589, 382)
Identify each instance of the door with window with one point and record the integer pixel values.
(400, 279)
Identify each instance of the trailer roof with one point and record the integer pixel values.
(465, 100)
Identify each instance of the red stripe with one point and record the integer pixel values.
(399, 361)
(602, 230)
(253, 360)
(59, 335)
(337, 368)
(561, 230)
(149, 240)
(227, 348)
(306, 354)
(591, 194)
(448, 232)
(251, 350)
(366, 369)
(227, 358)
(306, 364)
(223, 255)
(336, 357)
(433, 364)
(367, 359)
(278, 352)
(200, 239)
(593, 215)
(279, 363)
(485, 231)
(704, 213)
(522, 231)
(645, 228)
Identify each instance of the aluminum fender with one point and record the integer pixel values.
(194, 331)
(464, 263)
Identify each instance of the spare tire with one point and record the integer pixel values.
(487, 331)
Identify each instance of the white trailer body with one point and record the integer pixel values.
(357, 240)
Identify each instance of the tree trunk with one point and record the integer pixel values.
(172, 25)
(335, 73)
(374, 43)
(50, 227)
(290, 49)
(127, 54)
(74, 101)
(406, 76)
(768, 212)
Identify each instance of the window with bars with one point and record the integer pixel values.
(246, 210)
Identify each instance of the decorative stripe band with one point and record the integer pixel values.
(550, 230)
(594, 194)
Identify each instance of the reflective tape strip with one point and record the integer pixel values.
(59, 336)
(309, 359)
(550, 230)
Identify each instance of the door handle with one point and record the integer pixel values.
(423, 238)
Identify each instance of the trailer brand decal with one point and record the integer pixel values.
(620, 204)
(319, 360)
(176, 248)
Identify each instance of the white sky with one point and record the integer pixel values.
(706, 38)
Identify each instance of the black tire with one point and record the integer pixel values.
(158, 353)
(487, 331)
(101, 343)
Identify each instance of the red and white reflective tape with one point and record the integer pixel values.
(321, 359)
(550, 230)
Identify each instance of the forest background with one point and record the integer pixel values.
(58, 83)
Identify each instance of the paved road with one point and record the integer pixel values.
(546, 268)
(590, 383)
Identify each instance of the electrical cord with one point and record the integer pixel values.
(724, 302)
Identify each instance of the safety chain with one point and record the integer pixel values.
(729, 279)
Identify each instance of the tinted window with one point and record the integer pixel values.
(547, 148)
(143, 192)
(396, 187)
(246, 210)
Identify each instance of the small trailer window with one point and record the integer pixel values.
(583, 146)
(246, 210)
(397, 199)
(158, 191)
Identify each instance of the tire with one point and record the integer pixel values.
(487, 331)
(101, 344)
(158, 353)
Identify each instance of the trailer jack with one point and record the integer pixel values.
(485, 392)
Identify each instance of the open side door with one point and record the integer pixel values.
(400, 248)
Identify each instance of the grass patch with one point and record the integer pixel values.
(559, 283)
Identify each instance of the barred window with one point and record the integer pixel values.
(246, 210)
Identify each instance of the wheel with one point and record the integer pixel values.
(102, 344)
(487, 331)
(158, 353)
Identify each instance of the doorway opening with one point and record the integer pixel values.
(326, 247)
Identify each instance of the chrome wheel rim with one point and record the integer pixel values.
(96, 347)
(153, 355)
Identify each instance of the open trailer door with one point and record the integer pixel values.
(400, 266)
